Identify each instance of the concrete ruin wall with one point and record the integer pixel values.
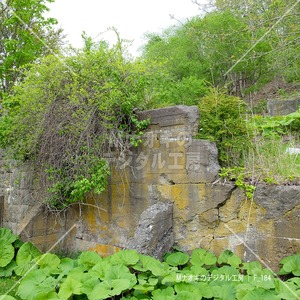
(282, 107)
(167, 191)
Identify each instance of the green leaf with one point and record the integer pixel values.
(109, 288)
(69, 287)
(228, 257)
(173, 277)
(262, 278)
(7, 236)
(184, 295)
(164, 294)
(252, 267)
(146, 283)
(7, 297)
(291, 264)
(89, 259)
(147, 263)
(48, 296)
(285, 290)
(126, 257)
(224, 292)
(89, 285)
(26, 253)
(296, 281)
(198, 270)
(202, 257)
(8, 270)
(79, 274)
(7, 253)
(120, 272)
(205, 289)
(243, 289)
(24, 268)
(47, 260)
(225, 273)
(177, 259)
(260, 293)
(34, 283)
(101, 269)
(66, 264)
(187, 287)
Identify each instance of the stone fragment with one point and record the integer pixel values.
(154, 234)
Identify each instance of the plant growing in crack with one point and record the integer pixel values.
(238, 176)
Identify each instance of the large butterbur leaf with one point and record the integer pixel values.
(23, 269)
(177, 259)
(7, 270)
(291, 264)
(228, 257)
(125, 257)
(7, 236)
(89, 259)
(26, 253)
(48, 296)
(109, 288)
(69, 287)
(120, 272)
(100, 269)
(50, 262)
(148, 263)
(164, 294)
(7, 253)
(35, 283)
(202, 257)
(260, 293)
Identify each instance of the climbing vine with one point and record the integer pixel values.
(66, 116)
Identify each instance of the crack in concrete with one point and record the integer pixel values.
(228, 196)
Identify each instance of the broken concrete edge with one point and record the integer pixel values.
(172, 115)
(154, 234)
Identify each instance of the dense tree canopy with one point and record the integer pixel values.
(241, 45)
(25, 35)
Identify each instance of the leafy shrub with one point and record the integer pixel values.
(223, 120)
(67, 112)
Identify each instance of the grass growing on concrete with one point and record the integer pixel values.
(269, 160)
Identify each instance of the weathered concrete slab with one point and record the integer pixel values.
(166, 191)
(282, 107)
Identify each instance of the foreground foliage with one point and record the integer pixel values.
(130, 275)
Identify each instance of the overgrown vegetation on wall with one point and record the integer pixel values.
(66, 111)
(129, 275)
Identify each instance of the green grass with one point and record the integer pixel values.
(269, 161)
(6, 284)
